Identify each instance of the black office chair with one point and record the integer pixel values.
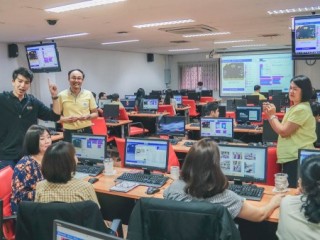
(154, 218)
(35, 220)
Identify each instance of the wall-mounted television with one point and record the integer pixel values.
(240, 73)
(43, 57)
(306, 37)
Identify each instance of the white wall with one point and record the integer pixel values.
(107, 71)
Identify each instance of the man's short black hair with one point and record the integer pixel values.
(200, 84)
(23, 72)
(77, 69)
(115, 97)
(211, 107)
(257, 87)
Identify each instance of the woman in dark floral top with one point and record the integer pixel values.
(27, 172)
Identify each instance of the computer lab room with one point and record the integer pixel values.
(137, 119)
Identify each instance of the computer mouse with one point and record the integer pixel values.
(152, 190)
(93, 180)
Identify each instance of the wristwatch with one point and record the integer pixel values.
(55, 98)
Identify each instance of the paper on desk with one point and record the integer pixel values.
(124, 186)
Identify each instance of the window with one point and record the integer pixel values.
(206, 72)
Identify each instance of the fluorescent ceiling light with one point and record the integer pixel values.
(68, 36)
(80, 5)
(232, 41)
(119, 42)
(163, 23)
(206, 34)
(294, 10)
(183, 49)
(252, 45)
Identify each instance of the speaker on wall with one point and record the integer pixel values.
(150, 57)
(13, 50)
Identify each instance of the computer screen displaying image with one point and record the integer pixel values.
(90, 148)
(244, 163)
(67, 231)
(146, 154)
(130, 97)
(128, 104)
(150, 104)
(217, 128)
(171, 125)
(178, 99)
(102, 102)
(248, 114)
(304, 153)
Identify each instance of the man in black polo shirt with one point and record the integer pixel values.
(18, 111)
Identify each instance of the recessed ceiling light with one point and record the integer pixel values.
(68, 36)
(251, 45)
(232, 41)
(293, 10)
(80, 5)
(206, 34)
(119, 42)
(156, 24)
(183, 49)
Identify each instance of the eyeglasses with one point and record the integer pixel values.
(76, 78)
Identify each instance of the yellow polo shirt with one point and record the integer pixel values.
(72, 105)
(304, 137)
(261, 96)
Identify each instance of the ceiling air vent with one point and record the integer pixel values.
(193, 29)
(179, 41)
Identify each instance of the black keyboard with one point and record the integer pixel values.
(249, 192)
(188, 144)
(91, 170)
(246, 126)
(174, 141)
(149, 180)
(112, 121)
(195, 124)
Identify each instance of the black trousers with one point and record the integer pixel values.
(67, 134)
(291, 168)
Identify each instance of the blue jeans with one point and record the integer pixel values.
(4, 163)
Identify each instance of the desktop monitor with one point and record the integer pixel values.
(194, 96)
(222, 111)
(171, 125)
(67, 231)
(268, 134)
(318, 96)
(90, 148)
(150, 104)
(240, 102)
(111, 111)
(102, 102)
(146, 153)
(276, 100)
(244, 163)
(304, 153)
(51, 125)
(252, 99)
(230, 105)
(274, 93)
(130, 97)
(206, 93)
(178, 99)
(248, 114)
(128, 104)
(220, 129)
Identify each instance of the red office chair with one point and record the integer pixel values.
(193, 109)
(207, 99)
(99, 127)
(120, 142)
(168, 108)
(6, 224)
(133, 131)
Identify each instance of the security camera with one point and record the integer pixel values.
(52, 22)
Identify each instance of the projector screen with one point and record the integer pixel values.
(239, 73)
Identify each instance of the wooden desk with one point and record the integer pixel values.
(123, 124)
(106, 182)
(259, 130)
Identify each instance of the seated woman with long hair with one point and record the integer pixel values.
(58, 167)
(28, 170)
(300, 215)
(202, 179)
